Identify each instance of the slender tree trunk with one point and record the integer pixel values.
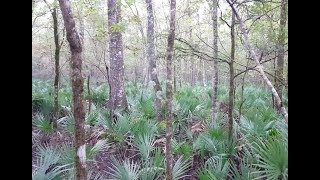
(180, 74)
(193, 79)
(33, 3)
(259, 67)
(152, 59)
(89, 93)
(191, 59)
(281, 42)
(81, 27)
(144, 52)
(174, 78)
(242, 100)
(109, 103)
(135, 71)
(118, 96)
(275, 82)
(231, 80)
(214, 9)
(57, 68)
(182, 70)
(169, 160)
(204, 78)
(77, 88)
(53, 119)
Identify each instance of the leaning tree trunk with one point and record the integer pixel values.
(77, 88)
(118, 97)
(231, 80)
(152, 59)
(259, 67)
(281, 42)
(169, 53)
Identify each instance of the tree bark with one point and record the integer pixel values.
(174, 78)
(193, 79)
(152, 59)
(89, 93)
(214, 9)
(204, 76)
(170, 42)
(118, 96)
(190, 58)
(259, 67)
(231, 78)
(57, 68)
(77, 88)
(53, 120)
(281, 43)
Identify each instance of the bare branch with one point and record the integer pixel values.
(197, 52)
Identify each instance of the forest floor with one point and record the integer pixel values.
(133, 146)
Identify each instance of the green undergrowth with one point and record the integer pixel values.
(135, 141)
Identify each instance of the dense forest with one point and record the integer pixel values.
(160, 89)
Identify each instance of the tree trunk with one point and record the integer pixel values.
(275, 83)
(214, 9)
(193, 78)
(81, 27)
(231, 83)
(190, 58)
(57, 68)
(280, 60)
(259, 67)
(204, 78)
(152, 59)
(174, 78)
(169, 53)
(89, 93)
(144, 51)
(33, 3)
(77, 88)
(118, 96)
(242, 100)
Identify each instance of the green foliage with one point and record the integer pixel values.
(101, 145)
(142, 127)
(158, 158)
(145, 146)
(117, 28)
(262, 134)
(46, 166)
(147, 108)
(67, 154)
(182, 148)
(127, 170)
(216, 167)
(243, 171)
(67, 123)
(43, 124)
(187, 102)
(93, 117)
(98, 95)
(180, 168)
(272, 159)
